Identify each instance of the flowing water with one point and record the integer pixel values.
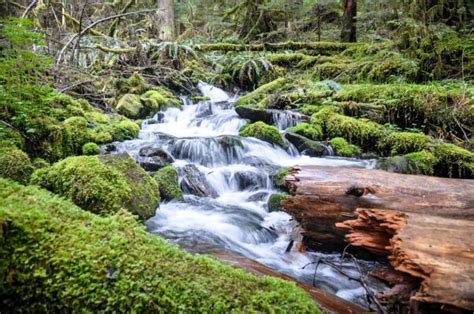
(239, 169)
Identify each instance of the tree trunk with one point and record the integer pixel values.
(349, 29)
(423, 225)
(167, 27)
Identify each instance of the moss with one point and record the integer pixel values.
(286, 59)
(259, 94)
(343, 148)
(263, 132)
(167, 179)
(10, 137)
(274, 202)
(75, 135)
(58, 258)
(279, 179)
(155, 100)
(39, 163)
(311, 131)
(130, 106)
(15, 165)
(396, 143)
(423, 161)
(125, 130)
(90, 149)
(102, 185)
(453, 161)
(361, 132)
(135, 84)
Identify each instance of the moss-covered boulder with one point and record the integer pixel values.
(453, 161)
(396, 143)
(168, 183)
(102, 184)
(263, 132)
(361, 132)
(59, 258)
(306, 146)
(131, 106)
(254, 99)
(159, 99)
(312, 131)
(15, 165)
(274, 202)
(342, 148)
(90, 149)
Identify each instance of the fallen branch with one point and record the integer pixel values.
(105, 19)
(30, 7)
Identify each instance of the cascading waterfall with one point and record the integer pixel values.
(238, 169)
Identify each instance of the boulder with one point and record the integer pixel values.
(194, 182)
(306, 146)
(255, 115)
(130, 106)
(154, 158)
(102, 184)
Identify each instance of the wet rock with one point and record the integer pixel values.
(204, 110)
(194, 182)
(249, 180)
(306, 146)
(154, 158)
(110, 148)
(255, 115)
(257, 197)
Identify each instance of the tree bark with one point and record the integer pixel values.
(167, 30)
(349, 28)
(423, 225)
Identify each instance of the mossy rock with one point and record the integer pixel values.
(60, 258)
(15, 165)
(263, 132)
(279, 178)
(274, 202)
(102, 184)
(131, 106)
(167, 179)
(342, 148)
(396, 143)
(255, 97)
(361, 132)
(9, 137)
(135, 84)
(90, 149)
(39, 163)
(312, 131)
(453, 161)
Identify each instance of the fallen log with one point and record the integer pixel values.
(328, 302)
(436, 250)
(321, 47)
(324, 196)
(423, 225)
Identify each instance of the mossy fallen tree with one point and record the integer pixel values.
(56, 257)
(321, 47)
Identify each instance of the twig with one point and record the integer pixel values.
(105, 19)
(30, 7)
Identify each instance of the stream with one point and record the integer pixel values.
(239, 169)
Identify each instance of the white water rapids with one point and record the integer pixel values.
(206, 134)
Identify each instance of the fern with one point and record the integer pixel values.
(174, 51)
(248, 71)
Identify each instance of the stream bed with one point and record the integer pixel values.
(206, 134)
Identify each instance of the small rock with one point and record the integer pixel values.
(306, 146)
(194, 182)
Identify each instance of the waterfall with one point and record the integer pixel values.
(206, 134)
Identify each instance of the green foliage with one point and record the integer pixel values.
(56, 257)
(311, 131)
(248, 71)
(423, 161)
(135, 84)
(253, 98)
(90, 149)
(15, 165)
(274, 202)
(403, 142)
(343, 148)
(167, 179)
(263, 132)
(102, 184)
(279, 179)
(453, 161)
(131, 106)
(361, 132)
(176, 52)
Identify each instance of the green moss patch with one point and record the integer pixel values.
(258, 95)
(274, 202)
(167, 179)
(58, 258)
(396, 143)
(311, 131)
(15, 165)
(102, 184)
(342, 148)
(263, 132)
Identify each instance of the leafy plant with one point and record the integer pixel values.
(174, 51)
(248, 71)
